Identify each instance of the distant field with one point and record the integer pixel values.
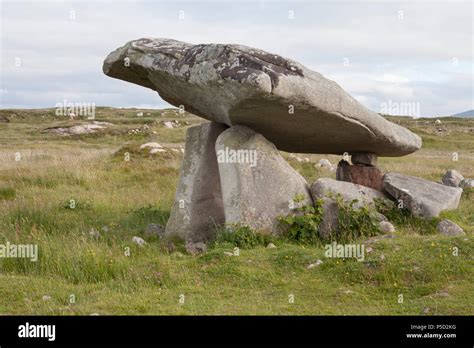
(41, 172)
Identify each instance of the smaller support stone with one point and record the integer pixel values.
(360, 174)
(367, 158)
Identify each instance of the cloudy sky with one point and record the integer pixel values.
(379, 51)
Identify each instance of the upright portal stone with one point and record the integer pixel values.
(422, 197)
(198, 207)
(258, 185)
(297, 109)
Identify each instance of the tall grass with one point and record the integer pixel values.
(109, 274)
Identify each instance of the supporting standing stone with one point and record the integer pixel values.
(258, 185)
(198, 208)
(367, 158)
(360, 174)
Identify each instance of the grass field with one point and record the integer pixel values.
(80, 274)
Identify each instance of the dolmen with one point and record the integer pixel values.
(258, 104)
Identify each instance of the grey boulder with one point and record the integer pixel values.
(423, 198)
(258, 185)
(198, 207)
(297, 109)
(449, 228)
(386, 227)
(327, 189)
(452, 178)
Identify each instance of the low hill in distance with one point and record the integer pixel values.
(465, 114)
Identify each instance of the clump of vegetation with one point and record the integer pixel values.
(242, 237)
(73, 204)
(355, 222)
(7, 193)
(303, 226)
(138, 218)
(402, 217)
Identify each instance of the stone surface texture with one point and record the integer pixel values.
(360, 174)
(260, 187)
(421, 197)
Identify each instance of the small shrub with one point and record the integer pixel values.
(355, 222)
(303, 227)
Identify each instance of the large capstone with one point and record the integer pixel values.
(329, 190)
(258, 185)
(421, 197)
(297, 109)
(198, 209)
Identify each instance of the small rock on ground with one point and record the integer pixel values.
(386, 227)
(324, 163)
(196, 248)
(139, 241)
(448, 228)
(452, 178)
(94, 233)
(151, 145)
(315, 264)
(466, 183)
